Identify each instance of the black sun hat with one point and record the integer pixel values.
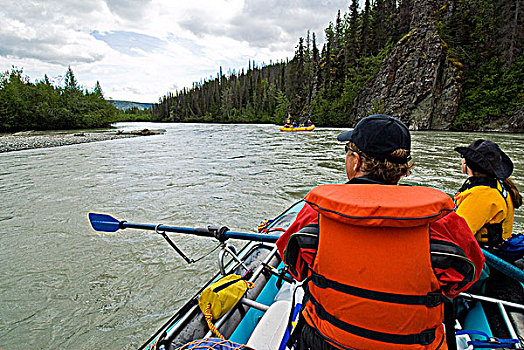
(378, 136)
(487, 157)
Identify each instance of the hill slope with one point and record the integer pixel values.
(125, 105)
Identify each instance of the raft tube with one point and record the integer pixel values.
(297, 128)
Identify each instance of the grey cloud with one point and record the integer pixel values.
(199, 25)
(132, 10)
(132, 90)
(295, 17)
(56, 48)
(272, 23)
(56, 11)
(50, 31)
(74, 13)
(49, 54)
(257, 32)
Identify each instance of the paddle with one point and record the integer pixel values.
(107, 223)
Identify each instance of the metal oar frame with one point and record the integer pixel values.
(218, 233)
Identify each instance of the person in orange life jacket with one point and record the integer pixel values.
(377, 155)
(488, 198)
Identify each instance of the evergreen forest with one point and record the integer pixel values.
(42, 106)
(483, 37)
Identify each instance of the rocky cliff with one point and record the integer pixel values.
(515, 122)
(416, 82)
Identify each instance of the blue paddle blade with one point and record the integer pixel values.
(104, 222)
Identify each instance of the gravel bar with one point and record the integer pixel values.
(22, 142)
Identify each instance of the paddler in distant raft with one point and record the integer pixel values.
(488, 198)
(288, 123)
(297, 127)
(374, 281)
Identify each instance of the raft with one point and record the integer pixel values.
(261, 320)
(297, 128)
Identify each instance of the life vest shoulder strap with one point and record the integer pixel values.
(305, 240)
(496, 184)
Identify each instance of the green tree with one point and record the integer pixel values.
(70, 80)
(282, 107)
(98, 90)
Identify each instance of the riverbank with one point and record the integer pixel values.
(23, 141)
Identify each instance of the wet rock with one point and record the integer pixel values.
(144, 132)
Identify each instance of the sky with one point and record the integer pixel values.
(141, 49)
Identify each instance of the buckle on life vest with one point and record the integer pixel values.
(434, 299)
(320, 281)
(427, 337)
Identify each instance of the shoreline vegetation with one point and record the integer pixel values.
(42, 105)
(29, 140)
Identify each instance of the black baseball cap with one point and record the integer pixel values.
(379, 135)
(487, 157)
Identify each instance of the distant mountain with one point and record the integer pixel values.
(125, 105)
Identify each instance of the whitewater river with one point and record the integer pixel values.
(62, 285)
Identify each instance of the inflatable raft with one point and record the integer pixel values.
(297, 128)
(262, 319)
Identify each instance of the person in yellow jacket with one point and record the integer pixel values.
(488, 198)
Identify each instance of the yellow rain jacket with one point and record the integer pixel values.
(486, 205)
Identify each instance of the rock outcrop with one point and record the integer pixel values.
(416, 82)
(516, 121)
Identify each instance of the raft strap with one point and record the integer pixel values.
(431, 299)
(489, 342)
(425, 337)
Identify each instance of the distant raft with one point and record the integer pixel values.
(297, 128)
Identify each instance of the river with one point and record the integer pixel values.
(62, 285)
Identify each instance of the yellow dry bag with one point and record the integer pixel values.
(220, 297)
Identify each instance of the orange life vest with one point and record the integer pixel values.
(372, 285)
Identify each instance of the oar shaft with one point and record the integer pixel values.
(200, 231)
(503, 266)
(252, 236)
(165, 228)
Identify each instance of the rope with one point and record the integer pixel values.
(225, 344)
(209, 319)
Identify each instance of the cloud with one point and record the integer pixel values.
(128, 10)
(46, 32)
(141, 49)
(270, 23)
